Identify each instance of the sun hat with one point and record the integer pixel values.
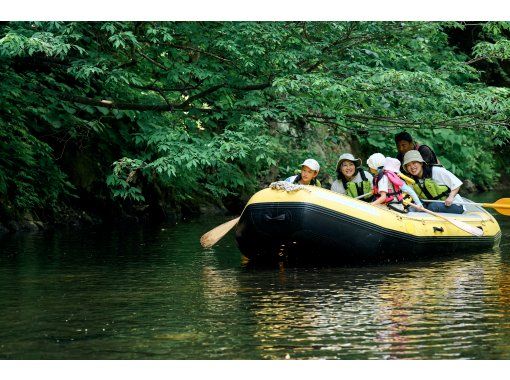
(412, 155)
(348, 157)
(312, 164)
(392, 164)
(376, 160)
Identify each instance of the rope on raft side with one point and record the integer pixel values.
(288, 187)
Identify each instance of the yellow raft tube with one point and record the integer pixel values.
(319, 225)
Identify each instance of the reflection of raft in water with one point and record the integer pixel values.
(320, 225)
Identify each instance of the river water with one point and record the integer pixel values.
(154, 293)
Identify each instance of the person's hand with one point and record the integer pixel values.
(448, 201)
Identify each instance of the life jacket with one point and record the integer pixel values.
(427, 188)
(354, 190)
(407, 179)
(395, 180)
(313, 182)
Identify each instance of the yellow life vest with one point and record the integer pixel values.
(429, 189)
(354, 190)
(408, 180)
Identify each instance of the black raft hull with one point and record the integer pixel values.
(314, 232)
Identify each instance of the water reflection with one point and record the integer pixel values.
(445, 309)
(150, 293)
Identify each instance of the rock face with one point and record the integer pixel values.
(469, 187)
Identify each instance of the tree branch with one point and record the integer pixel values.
(120, 105)
(201, 95)
(162, 67)
(168, 107)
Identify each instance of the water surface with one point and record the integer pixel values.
(154, 293)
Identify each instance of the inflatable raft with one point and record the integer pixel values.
(314, 224)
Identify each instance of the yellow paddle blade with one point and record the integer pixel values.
(502, 206)
(212, 237)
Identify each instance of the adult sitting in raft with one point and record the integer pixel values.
(308, 175)
(352, 180)
(434, 182)
(405, 143)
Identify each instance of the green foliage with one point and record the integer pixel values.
(207, 110)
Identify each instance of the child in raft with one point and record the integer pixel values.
(308, 175)
(388, 186)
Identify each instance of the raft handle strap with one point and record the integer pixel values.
(279, 218)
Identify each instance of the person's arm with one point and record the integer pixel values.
(409, 190)
(445, 177)
(381, 199)
(448, 201)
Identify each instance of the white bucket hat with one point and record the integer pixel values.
(348, 157)
(376, 160)
(392, 164)
(412, 155)
(312, 164)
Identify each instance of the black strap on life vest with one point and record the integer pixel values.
(362, 174)
(377, 178)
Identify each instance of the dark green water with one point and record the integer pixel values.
(154, 293)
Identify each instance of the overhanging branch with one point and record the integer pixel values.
(167, 107)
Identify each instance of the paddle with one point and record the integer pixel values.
(212, 237)
(463, 226)
(501, 205)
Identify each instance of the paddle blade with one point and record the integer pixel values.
(502, 206)
(212, 237)
(466, 227)
(463, 226)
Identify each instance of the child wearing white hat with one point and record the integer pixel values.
(381, 184)
(387, 186)
(308, 175)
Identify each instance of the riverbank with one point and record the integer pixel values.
(79, 216)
